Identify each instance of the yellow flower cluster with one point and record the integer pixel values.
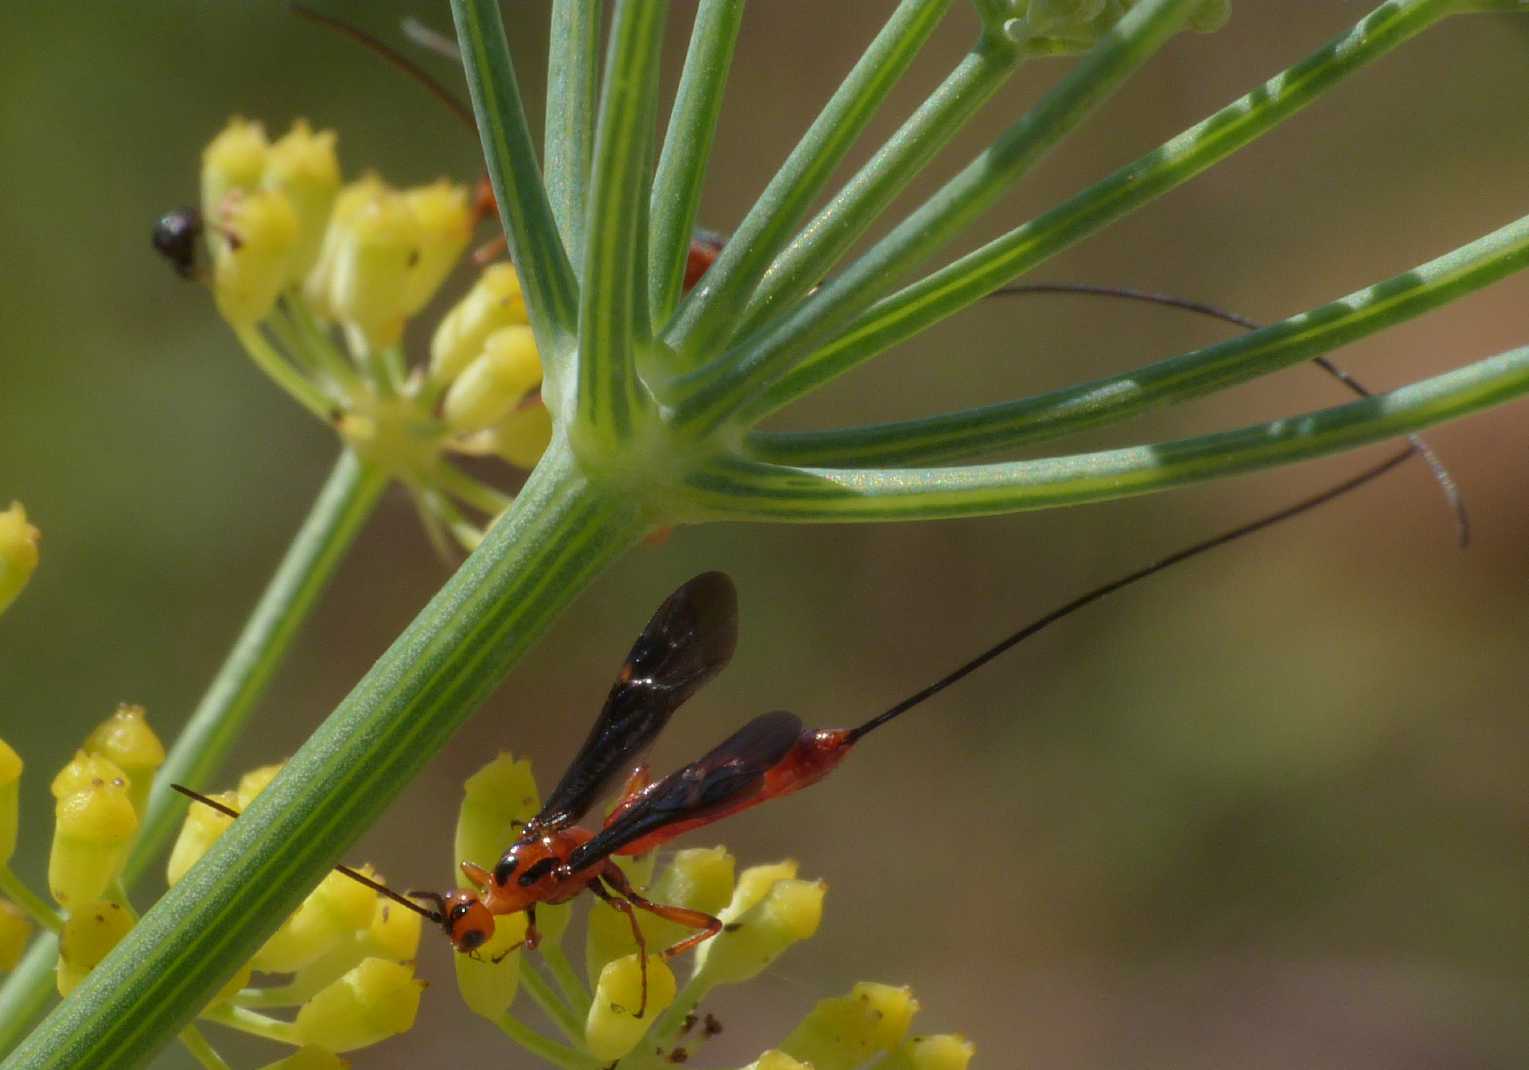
(764, 911)
(18, 553)
(319, 279)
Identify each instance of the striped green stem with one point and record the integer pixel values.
(569, 134)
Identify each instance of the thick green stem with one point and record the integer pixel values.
(559, 535)
(715, 392)
(546, 274)
(742, 490)
(569, 135)
(708, 316)
(1009, 425)
(978, 274)
(687, 145)
(342, 508)
(614, 312)
(19, 892)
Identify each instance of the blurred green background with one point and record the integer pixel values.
(1269, 810)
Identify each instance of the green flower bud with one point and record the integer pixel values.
(755, 883)
(89, 934)
(94, 828)
(501, 792)
(776, 1060)
(523, 435)
(126, 740)
(613, 1028)
(200, 828)
(309, 1057)
(753, 938)
(488, 987)
(495, 301)
(445, 224)
(496, 382)
(15, 931)
(843, 1032)
(302, 166)
(234, 160)
(18, 553)
(376, 1000)
(333, 911)
(940, 1051)
(255, 235)
(10, 800)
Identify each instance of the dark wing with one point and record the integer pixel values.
(708, 788)
(689, 640)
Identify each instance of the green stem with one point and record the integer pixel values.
(714, 393)
(569, 134)
(1009, 425)
(972, 277)
(814, 251)
(284, 375)
(253, 1023)
(615, 300)
(573, 989)
(19, 892)
(319, 345)
(551, 1051)
(708, 316)
(687, 148)
(744, 491)
(201, 1050)
(561, 532)
(339, 512)
(551, 1004)
(546, 275)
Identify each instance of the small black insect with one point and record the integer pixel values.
(177, 236)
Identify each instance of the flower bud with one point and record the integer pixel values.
(309, 1057)
(86, 771)
(200, 828)
(613, 1028)
(126, 740)
(254, 237)
(755, 882)
(89, 934)
(501, 792)
(445, 227)
(234, 985)
(846, 1031)
(777, 1060)
(752, 939)
(94, 829)
(10, 800)
(334, 910)
(394, 932)
(939, 1051)
(376, 1000)
(302, 166)
(495, 301)
(234, 160)
(491, 386)
(699, 878)
(18, 553)
(15, 931)
(488, 987)
(522, 436)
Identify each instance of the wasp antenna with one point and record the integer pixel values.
(1268, 520)
(355, 875)
(391, 55)
(1441, 474)
(431, 39)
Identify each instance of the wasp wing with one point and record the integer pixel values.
(689, 640)
(723, 781)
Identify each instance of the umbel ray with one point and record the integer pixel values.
(691, 637)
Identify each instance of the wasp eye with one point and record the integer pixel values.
(471, 940)
(460, 911)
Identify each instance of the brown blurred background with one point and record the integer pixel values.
(1267, 811)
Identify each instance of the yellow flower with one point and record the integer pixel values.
(200, 828)
(495, 301)
(759, 926)
(15, 931)
(376, 1000)
(612, 1028)
(254, 236)
(847, 1031)
(126, 740)
(89, 934)
(18, 553)
(95, 826)
(487, 986)
(303, 167)
(10, 800)
(234, 160)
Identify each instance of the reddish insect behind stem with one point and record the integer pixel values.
(691, 638)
